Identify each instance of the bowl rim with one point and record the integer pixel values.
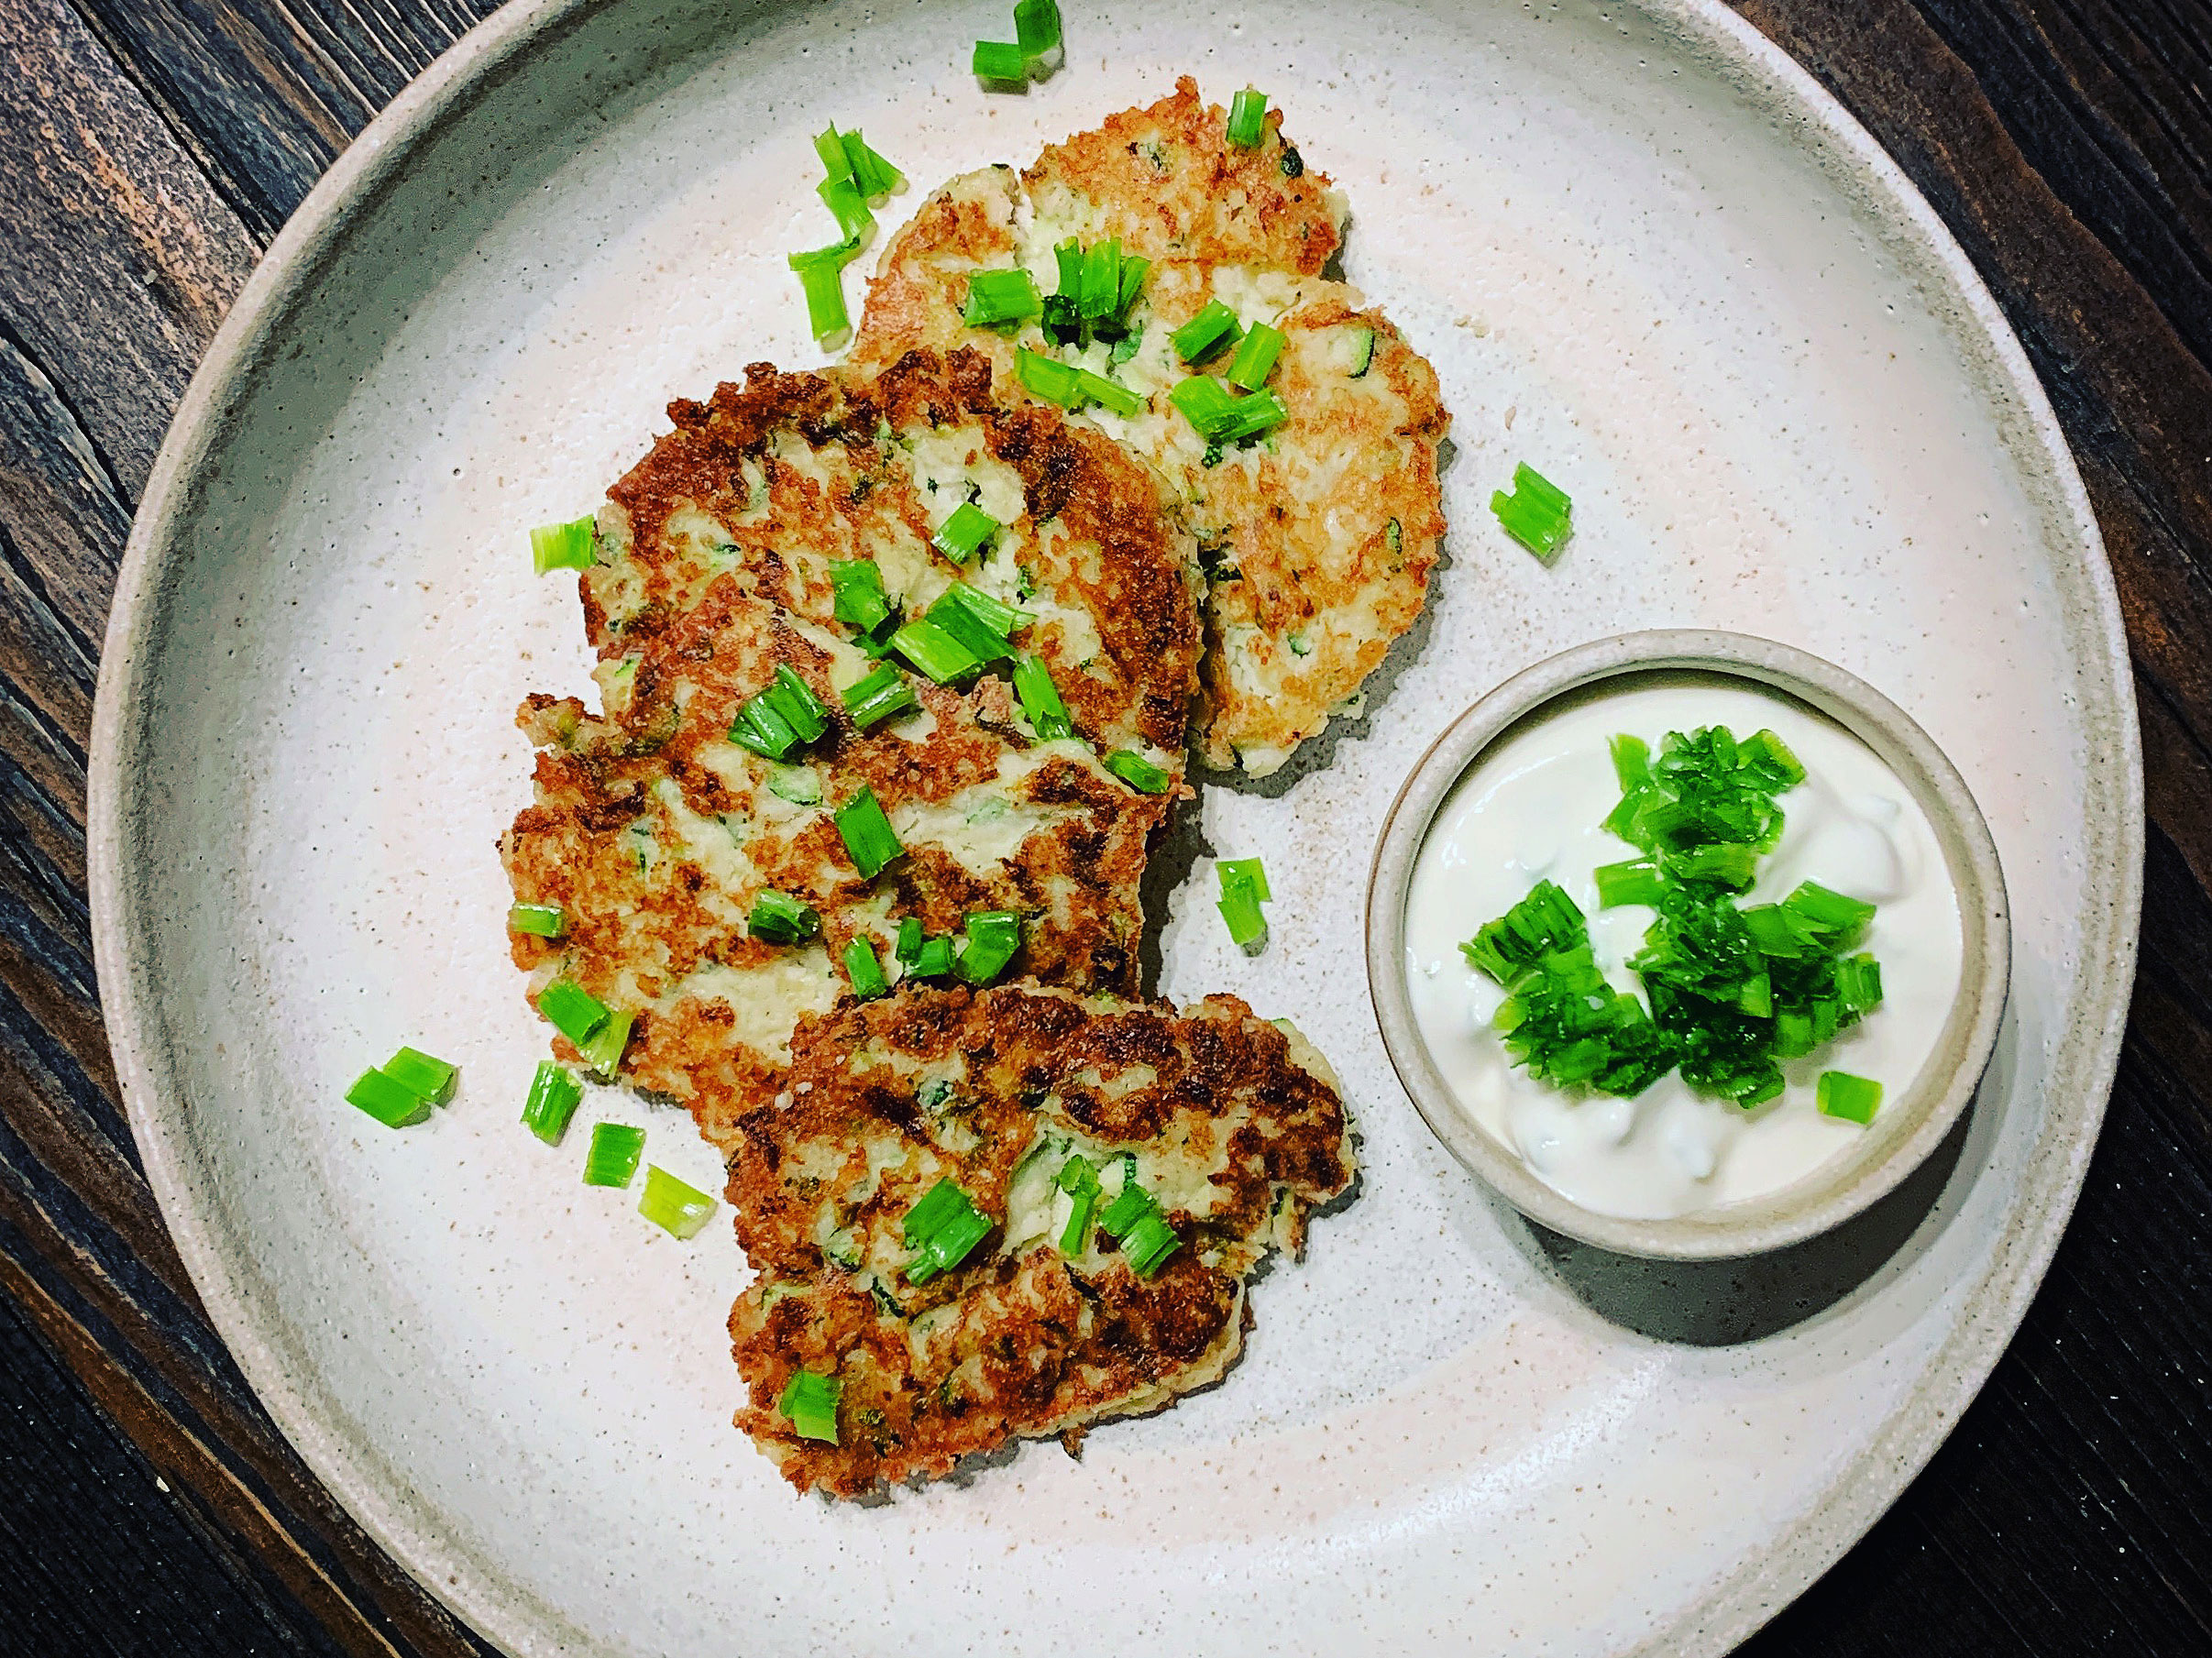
(1913, 1125)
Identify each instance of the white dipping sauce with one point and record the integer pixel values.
(1530, 809)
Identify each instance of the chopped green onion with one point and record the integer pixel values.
(1829, 911)
(562, 546)
(830, 147)
(1000, 62)
(1147, 1243)
(1047, 377)
(613, 1154)
(864, 972)
(860, 602)
(1068, 257)
(963, 533)
(1535, 515)
(1764, 752)
(1255, 358)
(1544, 921)
(822, 281)
(676, 1206)
(1214, 326)
(1138, 772)
(877, 177)
(849, 208)
(867, 833)
(795, 700)
(1243, 887)
(1037, 29)
(979, 623)
(1205, 402)
(796, 783)
(782, 919)
(421, 1075)
(1261, 411)
(1041, 699)
(1134, 269)
(391, 1101)
(1101, 289)
(554, 1095)
(808, 1403)
(932, 960)
(1079, 1179)
(1631, 761)
(883, 694)
(602, 1054)
(1855, 1099)
(1115, 396)
(540, 920)
(1130, 1205)
(574, 1010)
(909, 948)
(1728, 865)
(1635, 881)
(760, 727)
(997, 297)
(1248, 869)
(993, 938)
(1247, 118)
(934, 652)
(944, 1228)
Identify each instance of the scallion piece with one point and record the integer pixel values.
(794, 698)
(1049, 379)
(1855, 1099)
(1535, 515)
(1544, 921)
(1635, 881)
(943, 1228)
(867, 833)
(421, 1075)
(1631, 761)
(1255, 358)
(882, 694)
(574, 1010)
(1241, 894)
(1829, 911)
(933, 959)
(864, 972)
(998, 297)
(602, 1055)
(1041, 699)
(1765, 753)
(613, 1154)
(779, 919)
(1213, 327)
(849, 208)
(554, 1096)
(1248, 119)
(999, 62)
(1100, 293)
(1131, 1204)
(994, 939)
(909, 948)
(877, 177)
(934, 652)
(539, 920)
(1728, 865)
(808, 1403)
(1248, 869)
(822, 280)
(1260, 411)
(1067, 257)
(562, 546)
(978, 637)
(1079, 1179)
(831, 146)
(760, 727)
(1134, 269)
(1138, 772)
(391, 1101)
(962, 535)
(1147, 1243)
(1096, 388)
(857, 585)
(1205, 402)
(1002, 619)
(1037, 29)
(676, 1206)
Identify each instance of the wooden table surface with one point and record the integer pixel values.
(148, 151)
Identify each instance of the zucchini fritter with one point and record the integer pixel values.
(1233, 1124)
(655, 833)
(1319, 538)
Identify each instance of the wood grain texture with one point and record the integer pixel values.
(149, 149)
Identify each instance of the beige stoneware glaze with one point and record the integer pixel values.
(1647, 257)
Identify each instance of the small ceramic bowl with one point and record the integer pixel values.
(1904, 1132)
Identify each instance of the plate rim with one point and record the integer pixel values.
(1730, 1609)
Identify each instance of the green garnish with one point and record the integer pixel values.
(1255, 358)
(998, 297)
(1037, 29)
(854, 176)
(613, 1154)
(993, 936)
(999, 62)
(808, 1403)
(562, 546)
(1097, 388)
(421, 1075)
(933, 651)
(1243, 889)
(849, 208)
(1213, 327)
(1535, 513)
(1855, 1099)
(1147, 1243)
(603, 1053)
(943, 1228)
(867, 833)
(1079, 1179)
(860, 601)
(780, 919)
(1041, 699)
(932, 960)
(391, 1103)
(983, 625)
(539, 920)
(1053, 381)
(1138, 772)
(1221, 417)
(1248, 869)
(774, 721)
(864, 972)
(676, 1206)
(1248, 119)
(1635, 881)
(881, 694)
(910, 940)
(796, 783)
(822, 278)
(877, 177)
(554, 1095)
(574, 1010)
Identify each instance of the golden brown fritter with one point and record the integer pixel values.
(1232, 1124)
(655, 834)
(1319, 538)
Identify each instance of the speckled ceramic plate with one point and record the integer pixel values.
(1644, 252)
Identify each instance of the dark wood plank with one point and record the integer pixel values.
(148, 149)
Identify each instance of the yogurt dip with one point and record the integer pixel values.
(1529, 809)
